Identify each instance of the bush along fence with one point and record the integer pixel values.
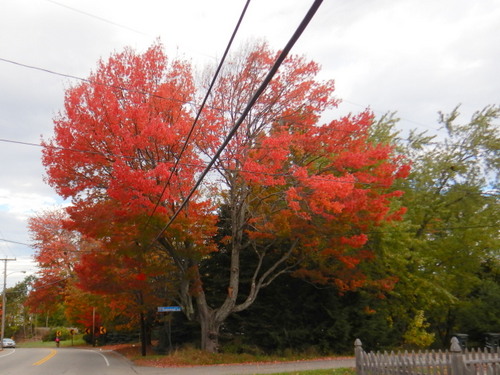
(449, 362)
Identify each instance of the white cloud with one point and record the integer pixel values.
(22, 205)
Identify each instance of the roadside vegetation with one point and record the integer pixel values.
(77, 341)
(190, 356)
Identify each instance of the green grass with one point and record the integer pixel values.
(77, 341)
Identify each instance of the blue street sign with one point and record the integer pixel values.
(169, 308)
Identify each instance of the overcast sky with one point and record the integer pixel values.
(416, 57)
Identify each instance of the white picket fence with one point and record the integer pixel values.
(452, 362)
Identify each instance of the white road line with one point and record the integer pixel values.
(5, 355)
(102, 355)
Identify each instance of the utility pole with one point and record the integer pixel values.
(4, 298)
(93, 326)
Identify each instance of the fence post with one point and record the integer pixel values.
(457, 367)
(358, 354)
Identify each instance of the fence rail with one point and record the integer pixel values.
(449, 362)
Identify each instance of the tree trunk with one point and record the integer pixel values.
(209, 332)
(210, 321)
(143, 334)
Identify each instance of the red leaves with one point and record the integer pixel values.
(119, 135)
(110, 274)
(287, 177)
(114, 150)
(325, 184)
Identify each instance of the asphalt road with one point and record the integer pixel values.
(73, 361)
(67, 361)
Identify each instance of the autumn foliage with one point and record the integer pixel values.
(322, 186)
(117, 142)
(302, 193)
(56, 256)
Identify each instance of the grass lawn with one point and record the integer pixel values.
(77, 341)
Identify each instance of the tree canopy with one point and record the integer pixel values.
(290, 194)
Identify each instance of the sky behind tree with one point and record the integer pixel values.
(416, 57)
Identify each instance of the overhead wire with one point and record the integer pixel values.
(315, 6)
(92, 82)
(97, 17)
(25, 143)
(15, 242)
(202, 106)
(192, 165)
(7, 250)
(43, 286)
(153, 95)
(113, 23)
(433, 230)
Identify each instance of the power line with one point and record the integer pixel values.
(114, 23)
(221, 63)
(63, 148)
(249, 106)
(385, 112)
(96, 17)
(86, 80)
(431, 230)
(46, 285)
(194, 165)
(91, 82)
(156, 95)
(16, 242)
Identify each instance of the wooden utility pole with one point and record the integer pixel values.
(4, 298)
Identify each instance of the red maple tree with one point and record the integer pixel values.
(56, 254)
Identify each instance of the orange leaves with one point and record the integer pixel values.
(130, 120)
(285, 177)
(108, 273)
(116, 144)
(326, 171)
(301, 178)
(323, 184)
(355, 241)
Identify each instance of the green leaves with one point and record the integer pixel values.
(451, 226)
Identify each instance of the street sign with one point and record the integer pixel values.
(169, 308)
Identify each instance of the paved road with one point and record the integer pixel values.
(73, 361)
(67, 361)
